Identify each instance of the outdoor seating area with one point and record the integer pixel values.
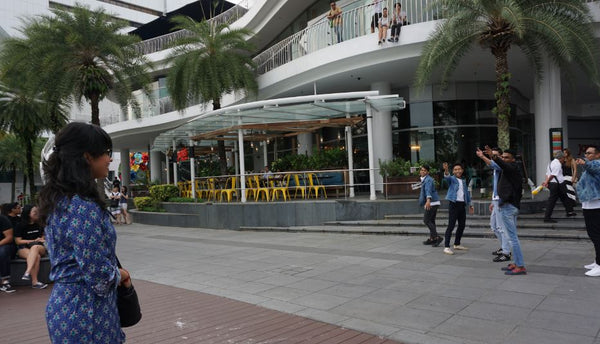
(284, 186)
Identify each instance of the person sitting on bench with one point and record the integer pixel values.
(29, 237)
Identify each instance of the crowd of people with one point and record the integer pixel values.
(570, 176)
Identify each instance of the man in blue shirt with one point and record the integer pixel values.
(430, 201)
(589, 195)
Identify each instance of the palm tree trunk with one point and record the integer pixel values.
(29, 153)
(94, 101)
(13, 188)
(220, 143)
(502, 96)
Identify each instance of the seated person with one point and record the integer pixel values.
(13, 212)
(6, 253)
(29, 237)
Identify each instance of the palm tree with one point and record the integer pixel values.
(25, 114)
(82, 53)
(211, 61)
(560, 29)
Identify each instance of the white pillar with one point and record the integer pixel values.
(236, 156)
(548, 114)
(175, 178)
(242, 164)
(382, 133)
(265, 153)
(168, 169)
(371, 152)
(350, 150)
(305, 144)
(192, 169)
(155, 164)
(125, 167)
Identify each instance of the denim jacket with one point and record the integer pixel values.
(428, 191)
(453, 189)
(588, 187)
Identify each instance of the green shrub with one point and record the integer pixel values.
(161, 193)
(143, 202)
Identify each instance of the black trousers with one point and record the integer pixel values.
(555, 193)
(592, 224)
(456, 212)
(396, 30)
(429, 220)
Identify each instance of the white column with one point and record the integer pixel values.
(305, 144)
(350, 150)
(265, 153)
(192, 169)
(168, 169)
(236, 157)
(155, 170)
(125, 167)
(382, 133)
(371, 153)
(175, 178)
(242, 164)
(548, 114)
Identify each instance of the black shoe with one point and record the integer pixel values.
(550, 221)
(571, 214)
(437, 241)
(396, 40)
(498, 252)
(429, 241)
(502, 258)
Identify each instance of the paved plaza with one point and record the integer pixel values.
(389, 286)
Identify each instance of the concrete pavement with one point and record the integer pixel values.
(388, 285)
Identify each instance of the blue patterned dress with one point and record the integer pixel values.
(81, 243)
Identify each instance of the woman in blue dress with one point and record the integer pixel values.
(81, 240)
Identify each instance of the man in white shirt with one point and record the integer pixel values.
(554, 177)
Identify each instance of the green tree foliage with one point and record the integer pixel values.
(212, 60)
(561, 30)
(81, 54)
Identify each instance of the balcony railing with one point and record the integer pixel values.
(163, 42)
(356, 22)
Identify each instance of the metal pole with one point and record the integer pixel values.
(236, 157)
(192, 170)
(242, 164)
(265, 153)
(371, 152)
(350, 149)
(175, 165)
(168, 169)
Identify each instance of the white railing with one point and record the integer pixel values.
(163, 42)
(356, 22)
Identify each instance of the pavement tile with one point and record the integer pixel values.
(312, 284)
(282, 306)
(320, 301)
(319, 315)
(411, 318)
(284, 293)
(528, 335)
(562, 322)
(521, 284)
(348, 290)
(557, 304)
(511, 298)
(391, 297)
(475, 329)
(369, 327)
(460, 292)
(495, 312)
(439, 303)
(415, 337)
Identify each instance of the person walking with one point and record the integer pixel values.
(430, 201)
(459, 197)
(510, 190)
(554, 179)
(588, 189)
(503, 254)
(81, 240)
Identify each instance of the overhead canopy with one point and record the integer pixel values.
(278, 116)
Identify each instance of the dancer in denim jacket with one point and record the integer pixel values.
(588, 189)
(430, 201)
(459, 197)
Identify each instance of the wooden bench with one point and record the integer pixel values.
(18, 267)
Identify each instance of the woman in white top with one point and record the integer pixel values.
(384, 23)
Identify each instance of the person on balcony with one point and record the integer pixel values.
(384, 24)
(335, 20)
(398, 19)
(376, 14)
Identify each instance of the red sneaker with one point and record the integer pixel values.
(519, 270)
(510, 267)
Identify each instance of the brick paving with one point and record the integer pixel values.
(174, 315)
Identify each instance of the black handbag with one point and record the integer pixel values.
(128, 305)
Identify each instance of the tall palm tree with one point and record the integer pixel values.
(560, 29)
(83, 53)
(25, 114)
(212, 60)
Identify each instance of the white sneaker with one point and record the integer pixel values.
(595, 272)
(591, 266)
(460, 247)
(447, 250)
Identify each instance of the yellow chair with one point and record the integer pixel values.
(212, 191)
(283, 188)
(299, 186)
(230, 189)
(258, 189)
(250, 190)
(315, 185)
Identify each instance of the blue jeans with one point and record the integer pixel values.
(498, 228)
(6, 252)
(509, 213)
(338, 29)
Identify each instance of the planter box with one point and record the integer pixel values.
(401, 185)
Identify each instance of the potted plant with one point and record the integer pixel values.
(399, 175)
